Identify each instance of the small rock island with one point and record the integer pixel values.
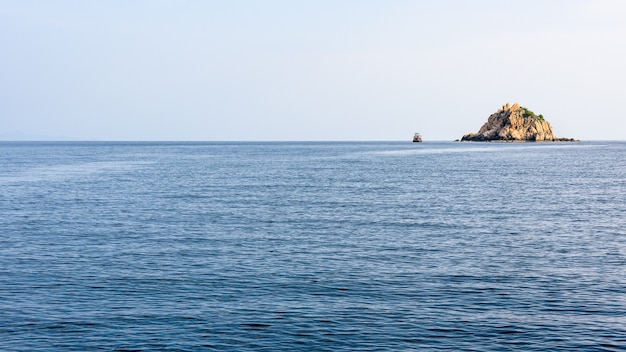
(515, 124)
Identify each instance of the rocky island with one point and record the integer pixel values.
(515, 124)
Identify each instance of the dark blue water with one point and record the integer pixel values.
(312, 246)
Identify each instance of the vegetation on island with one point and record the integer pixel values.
(515, 123)
(529, 113)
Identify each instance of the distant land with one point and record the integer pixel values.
(21, 136)
(515, 124)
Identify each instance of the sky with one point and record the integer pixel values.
(324, 70)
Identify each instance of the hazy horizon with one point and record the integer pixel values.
(322, 71)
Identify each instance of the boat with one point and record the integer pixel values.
(417, 138)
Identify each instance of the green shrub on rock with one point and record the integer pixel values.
(529, 113)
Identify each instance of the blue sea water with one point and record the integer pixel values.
(312, 246)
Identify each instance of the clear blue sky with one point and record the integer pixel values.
(307, 70)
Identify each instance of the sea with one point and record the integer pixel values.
(312, 246)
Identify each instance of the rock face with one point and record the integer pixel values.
(515, 123)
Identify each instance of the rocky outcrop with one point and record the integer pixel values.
(515, 123)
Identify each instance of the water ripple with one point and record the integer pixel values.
(321, 246)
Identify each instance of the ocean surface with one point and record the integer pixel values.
(375, 246)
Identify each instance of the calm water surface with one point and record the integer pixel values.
(312, 246)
